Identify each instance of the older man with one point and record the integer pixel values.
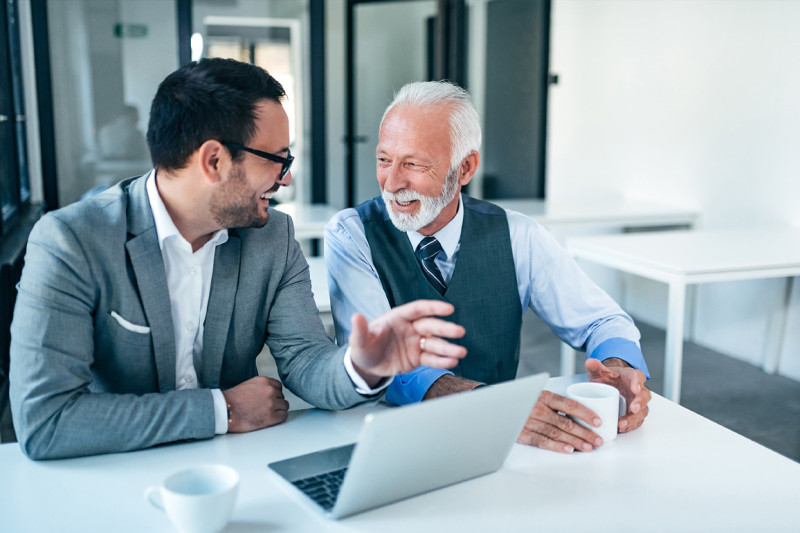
(141, 311)
(423, 239)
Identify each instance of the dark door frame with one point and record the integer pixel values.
(448, 58)
(449, 62)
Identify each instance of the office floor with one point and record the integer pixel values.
(735, 394)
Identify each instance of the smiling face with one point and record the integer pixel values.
(413, 168)
(242, 199)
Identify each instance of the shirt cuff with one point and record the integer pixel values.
(220, 412)
(411, 387)
(624, 349)
(361, 386)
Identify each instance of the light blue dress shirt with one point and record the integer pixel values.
(550, 283)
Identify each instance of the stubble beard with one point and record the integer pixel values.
(235, 206)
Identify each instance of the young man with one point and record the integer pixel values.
(141, 311)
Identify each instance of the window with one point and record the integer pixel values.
(273, 36)
(14, 190)
(107, 58)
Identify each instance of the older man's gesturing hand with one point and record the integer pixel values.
(406, 337)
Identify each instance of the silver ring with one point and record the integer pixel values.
(422, 343)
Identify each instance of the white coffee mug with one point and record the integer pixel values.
(197, 500)
(605, 401)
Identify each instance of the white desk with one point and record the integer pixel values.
(684, 258)
(309, 219)
(678, 472)
(613, 214)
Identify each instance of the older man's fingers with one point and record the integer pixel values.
(422, 308)
(437, 346)
(437, 327)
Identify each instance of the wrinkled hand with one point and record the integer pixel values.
(630, 383)
(549, 429)
(255, 404)
(390, 344)
(546, 428)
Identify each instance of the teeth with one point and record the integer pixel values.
(403, 203)
(266, 196)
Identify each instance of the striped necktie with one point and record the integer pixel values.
(427, 250)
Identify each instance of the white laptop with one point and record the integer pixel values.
(406, 451)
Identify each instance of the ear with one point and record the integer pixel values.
(212, 158)
(469, 165)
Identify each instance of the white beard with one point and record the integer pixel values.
(429, 206)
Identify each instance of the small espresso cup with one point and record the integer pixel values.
(605, 401)
(197, 500)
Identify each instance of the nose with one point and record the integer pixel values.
(286, 180)
(392, 178)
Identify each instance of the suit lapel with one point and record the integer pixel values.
(151, 278)
(219, 313)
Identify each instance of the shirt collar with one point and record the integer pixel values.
(165, 227)
(448, 236)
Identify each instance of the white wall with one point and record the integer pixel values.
(688, 103)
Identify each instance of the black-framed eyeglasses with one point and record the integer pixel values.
(286, 162)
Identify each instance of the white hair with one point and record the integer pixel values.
(465, 126)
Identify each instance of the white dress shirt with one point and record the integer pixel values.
(189, 284)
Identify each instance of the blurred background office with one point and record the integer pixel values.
(691, 104)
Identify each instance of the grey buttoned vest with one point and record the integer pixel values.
(483, 287)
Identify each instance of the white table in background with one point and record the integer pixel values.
(319, 285)
(678, 472)
(685, 258)
(621, 214)
(309, 219)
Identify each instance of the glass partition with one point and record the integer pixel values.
(273, 35)
(387, 56)
(107, 59)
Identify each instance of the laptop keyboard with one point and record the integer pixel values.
(323, 488)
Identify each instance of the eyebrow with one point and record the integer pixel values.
(278, 152)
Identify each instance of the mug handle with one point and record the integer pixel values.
(623, 406)
(152, 495)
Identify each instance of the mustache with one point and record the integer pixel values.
(403, 195)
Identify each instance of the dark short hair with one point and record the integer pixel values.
(207, 99)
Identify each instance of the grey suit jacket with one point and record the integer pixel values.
(83, 383)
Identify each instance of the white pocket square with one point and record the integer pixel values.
(130, 326)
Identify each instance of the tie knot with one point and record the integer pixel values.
(428, 249)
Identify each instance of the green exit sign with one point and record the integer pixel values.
(130, 30)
